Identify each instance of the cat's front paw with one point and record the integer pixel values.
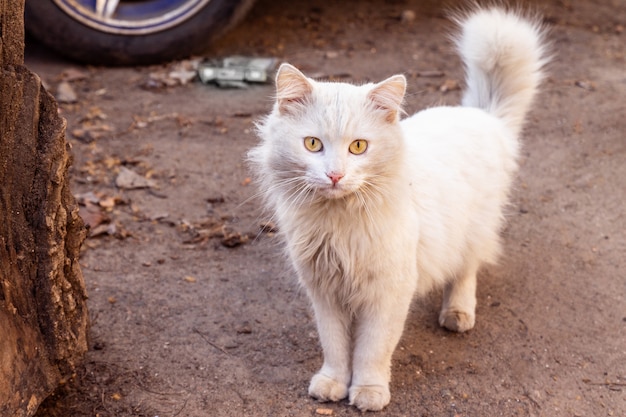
(457, 321)
(324, 388)
(370, 397)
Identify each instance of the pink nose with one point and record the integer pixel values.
(334, 177)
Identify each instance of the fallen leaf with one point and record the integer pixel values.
(72, 74)
(232, 240)
(215, 200)
(111, 162)
(268, 227)
(182, 76)
(103, 229)
(93, 216)
(449, 85)
(129, 180)
(86, 135)
(87, 198)
(94, 113)
(430, 74)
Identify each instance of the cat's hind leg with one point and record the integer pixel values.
(458, 310)
(333, 327)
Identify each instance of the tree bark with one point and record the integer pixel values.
(43, 313)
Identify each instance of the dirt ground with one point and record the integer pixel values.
(194, 310)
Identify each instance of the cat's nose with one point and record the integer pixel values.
(335, 177)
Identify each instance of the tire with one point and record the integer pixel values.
(141, 32)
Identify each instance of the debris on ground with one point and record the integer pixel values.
(129, 180)
(236, 71)
(176, 74)
(407, 16)
(449, 85)
(92, 126)
(65, 93)
(72, 74)
(213, 228)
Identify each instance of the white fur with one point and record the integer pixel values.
(421, 208)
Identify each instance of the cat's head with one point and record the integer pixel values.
(330, 140)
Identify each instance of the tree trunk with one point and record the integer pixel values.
(43, 313)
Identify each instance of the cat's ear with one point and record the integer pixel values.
(388, 95)
(292, 89)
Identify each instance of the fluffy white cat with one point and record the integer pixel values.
(375, 209)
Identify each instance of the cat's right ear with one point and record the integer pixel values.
(292, 89)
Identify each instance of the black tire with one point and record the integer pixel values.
(55, 28)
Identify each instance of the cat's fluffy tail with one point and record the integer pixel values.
(504, 54)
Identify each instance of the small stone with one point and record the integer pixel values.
(407, 16)
(65, 93)
(244, 329)
(586, 85)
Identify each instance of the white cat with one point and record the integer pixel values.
(374, 209)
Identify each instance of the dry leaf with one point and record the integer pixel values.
(130, 180)
(93, 216)
(72, 74)
(449, 85)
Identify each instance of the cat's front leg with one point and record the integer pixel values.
(459, 301)
(333, 326)
(378, 331)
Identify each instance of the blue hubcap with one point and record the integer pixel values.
(128, 17)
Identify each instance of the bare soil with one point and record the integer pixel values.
(196, 313)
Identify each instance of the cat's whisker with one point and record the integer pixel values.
(263, 193)
(304, 193)
(292, 197)
(295, 198)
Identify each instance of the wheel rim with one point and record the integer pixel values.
(130, 17)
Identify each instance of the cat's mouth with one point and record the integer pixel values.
(334, 191)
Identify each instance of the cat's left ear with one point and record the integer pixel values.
(388, 95)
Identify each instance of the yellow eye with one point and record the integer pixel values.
(313, 144)
(358, 146)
